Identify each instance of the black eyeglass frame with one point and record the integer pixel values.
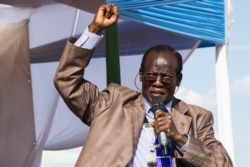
(165, 78)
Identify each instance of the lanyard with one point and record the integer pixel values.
(155, 158)
(150, 138)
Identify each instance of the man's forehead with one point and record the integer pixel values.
(161, 62)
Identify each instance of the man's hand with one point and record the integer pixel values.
(106, 16)
(164, 122)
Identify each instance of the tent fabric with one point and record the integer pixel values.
(85, 5)
(129, 42)
(16, 101)
(56, 126)
(201, 19)
(130, 39)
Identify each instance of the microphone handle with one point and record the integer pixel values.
(163, 140)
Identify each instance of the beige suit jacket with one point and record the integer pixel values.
(116, 115)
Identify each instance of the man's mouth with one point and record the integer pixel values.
(157, 93)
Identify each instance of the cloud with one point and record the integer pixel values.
(242, 151)
(241, 87)
(64, 158)
(206, 100)
(240, 47)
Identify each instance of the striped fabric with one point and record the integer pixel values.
(163, 160)
(199, 19)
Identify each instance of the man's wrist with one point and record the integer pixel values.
(88, 40)
(95, 29)
(181, 140)
(184, 143)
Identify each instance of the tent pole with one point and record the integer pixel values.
(223, 100)
(196, 45)
(73, 33)
(112, 55)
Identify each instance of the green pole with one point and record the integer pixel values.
(112, 55)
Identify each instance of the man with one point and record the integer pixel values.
(117, 115)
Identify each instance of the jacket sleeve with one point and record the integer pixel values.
(204, 149)
(79, 94)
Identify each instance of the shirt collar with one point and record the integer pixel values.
(148, 105)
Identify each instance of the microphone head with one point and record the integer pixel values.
(156, 100)
(157, 105)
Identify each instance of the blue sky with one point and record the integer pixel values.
(198, 86)
(239, 75)
(239, 79)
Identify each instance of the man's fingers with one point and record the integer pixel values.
(109, 11)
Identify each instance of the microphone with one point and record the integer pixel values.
(157, 106)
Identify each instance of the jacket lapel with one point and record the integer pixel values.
(182, 122)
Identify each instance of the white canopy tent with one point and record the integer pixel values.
(49, 26)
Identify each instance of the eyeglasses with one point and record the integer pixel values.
(150, 78)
